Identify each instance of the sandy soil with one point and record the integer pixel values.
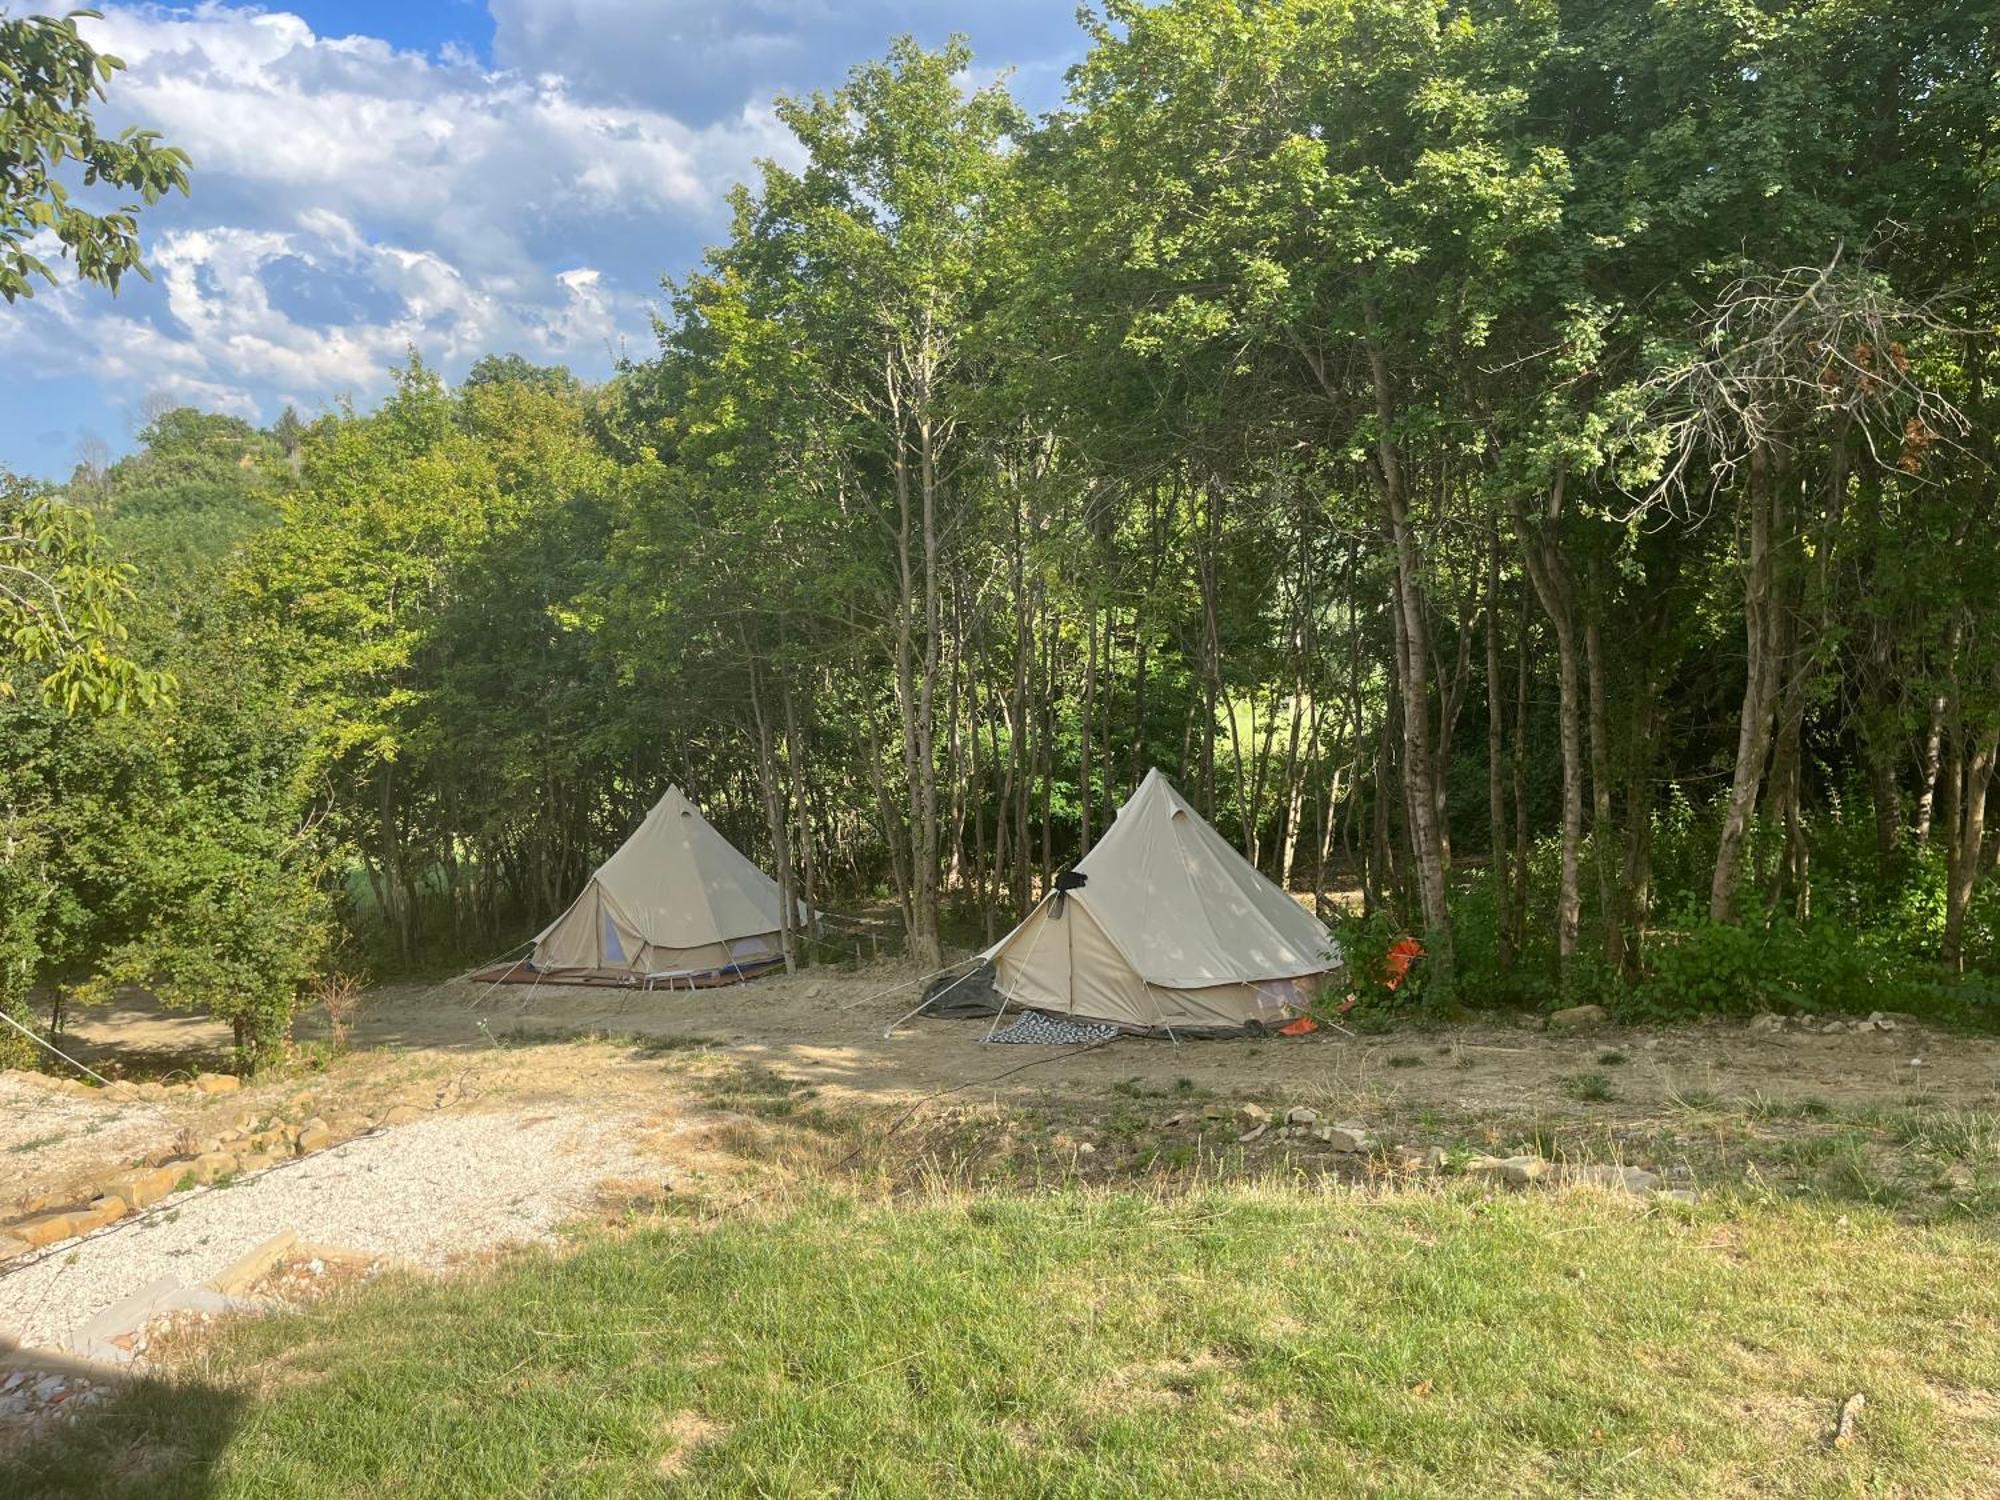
(828, 1025)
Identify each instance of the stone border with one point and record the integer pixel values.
(241, 1150)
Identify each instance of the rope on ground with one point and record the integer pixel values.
(41, 1041)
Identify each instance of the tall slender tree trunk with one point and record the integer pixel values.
(774, 818)
(1760, 686)
(1600, 786)
(1964, 861)
(1548, 574)
(1427, 842)
(1496, 796)
(1085, 794)
(801, 814)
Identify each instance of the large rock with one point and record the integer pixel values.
(1768, 1021)
(217, 1083)
(213, 1166)
(143, 1188)
(1298, 1114)
(1520, 1171)
(1253, 1114)
(403, 1114)
(50, 1229)
(1348, 1135)
(314, 1135)
(1578, 1018)
(152, 1092)
(11, 1246)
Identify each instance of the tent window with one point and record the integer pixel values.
(614, 951)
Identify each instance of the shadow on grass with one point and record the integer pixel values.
(156, 1439)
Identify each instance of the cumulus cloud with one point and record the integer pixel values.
(700, 57)
(352, 201)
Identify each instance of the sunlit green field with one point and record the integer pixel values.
(1250, 1340)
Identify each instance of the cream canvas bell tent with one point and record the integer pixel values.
(1165, 927)
(677, 901)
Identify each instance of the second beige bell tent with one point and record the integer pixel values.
(1164, 927)
(677, 903)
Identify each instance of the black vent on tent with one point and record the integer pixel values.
(1069, 880)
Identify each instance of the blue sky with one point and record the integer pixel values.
(461, 176)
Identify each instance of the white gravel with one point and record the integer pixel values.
(427, 1192)
(48, 1137)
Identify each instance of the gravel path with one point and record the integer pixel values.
(47, 1138)
(427, 1192)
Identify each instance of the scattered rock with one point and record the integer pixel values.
(1768, 1021)
(1253, 1114)
(217, 1083)
(1172, 1120)
(1615, 1179)
(1845, 1429)
(1253, 1133)
(121, 1091)
(211, 1166)
(142, 1189)
(403, 1114)
(313, 1136)
(1578, 1018)
(1420, 1159)
(152, 1092)
(1520, 1171)
(1298, 1114)
(1349, 1135)
(1833, 1028)
(50, 1229)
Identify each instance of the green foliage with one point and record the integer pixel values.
(61, 594)
(177, 847)
(50, 79)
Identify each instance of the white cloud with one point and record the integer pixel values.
(352, 201)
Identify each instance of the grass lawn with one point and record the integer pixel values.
(1245, 1340)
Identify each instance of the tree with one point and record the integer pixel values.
(50, 77)
(60, 597)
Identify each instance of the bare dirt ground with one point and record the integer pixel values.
(827, 1030)
(829, 1025)
(711, 1100)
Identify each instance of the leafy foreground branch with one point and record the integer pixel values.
(1253, 1340)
